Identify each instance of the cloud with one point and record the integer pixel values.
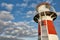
(26, 1)
(58, 13)
(24, 4)
(31, 13)
(6, 16)
(19, 29)
(33, 5)
(4, 25)
(11, 29)
(28, 16)
(7, 6)
(9, 38)
(49, 1)
(32, 21)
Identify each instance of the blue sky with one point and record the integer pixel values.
(16, 18)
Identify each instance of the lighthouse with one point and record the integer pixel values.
(45, 17)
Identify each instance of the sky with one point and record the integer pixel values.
(16, 18)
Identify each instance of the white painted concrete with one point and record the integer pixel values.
(53, 37)
(42, 9)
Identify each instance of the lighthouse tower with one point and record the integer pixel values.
(45, 18)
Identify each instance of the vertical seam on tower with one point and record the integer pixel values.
(40, 25)
(46, 24)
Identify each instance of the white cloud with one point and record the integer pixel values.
(24, 4)
(7, 6)
(9, 37)
(26, 1)
(33, 5)
(28, 16)
(6, 16)
(58, 13)
(17, 4)
(19, 29)
(53, 3)
(31, 13)
(32, 21)
(49, 1)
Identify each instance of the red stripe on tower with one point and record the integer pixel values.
(39, 31)
(50, 26)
